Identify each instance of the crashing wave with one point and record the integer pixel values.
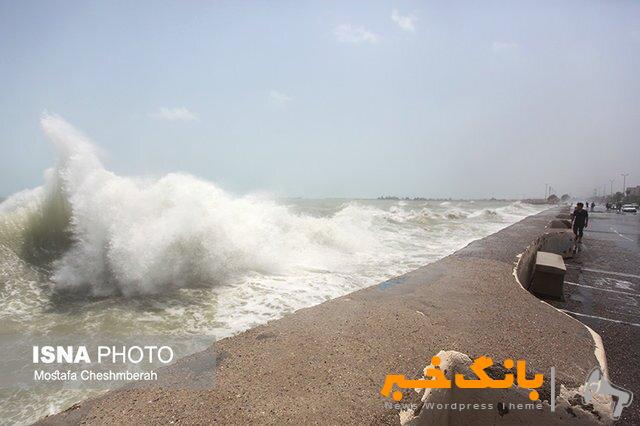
(455, 214)
(95, 232)
(105, 234)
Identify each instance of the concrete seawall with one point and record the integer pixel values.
(326, 364)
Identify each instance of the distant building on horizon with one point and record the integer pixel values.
(633, 191)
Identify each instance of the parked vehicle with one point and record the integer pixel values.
(630, 208)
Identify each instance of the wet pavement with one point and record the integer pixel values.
(602, 290)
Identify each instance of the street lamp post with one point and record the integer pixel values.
(611, 182)
(624, 183)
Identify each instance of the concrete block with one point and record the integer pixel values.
(558, 224)
(548, 275)
(558, 241)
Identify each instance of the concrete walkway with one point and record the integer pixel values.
(326, 364)
(602, 289)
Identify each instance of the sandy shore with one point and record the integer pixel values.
(326, 364)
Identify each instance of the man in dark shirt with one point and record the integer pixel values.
(580, 221)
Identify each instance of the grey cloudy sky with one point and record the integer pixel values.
(322, 99)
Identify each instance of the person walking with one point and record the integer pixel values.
(580, 219)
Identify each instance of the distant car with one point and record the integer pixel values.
(630, 208)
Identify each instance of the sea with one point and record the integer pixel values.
(94, 253)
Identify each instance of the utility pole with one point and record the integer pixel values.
(611, 182)
(546, 187)
(624, 183)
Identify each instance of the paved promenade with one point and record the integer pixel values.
(326, 364)
(602, 289)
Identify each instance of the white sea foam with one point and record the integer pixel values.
(134, 236)
(178, 255)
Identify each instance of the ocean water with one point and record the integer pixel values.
(90, 252)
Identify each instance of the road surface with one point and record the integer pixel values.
(602, 289)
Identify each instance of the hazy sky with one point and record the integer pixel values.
(321, 99)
